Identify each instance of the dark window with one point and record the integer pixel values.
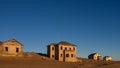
(53, 56)
(67, 55)
(72, 55)
(61, 48)
(73, 48)
(61, 55)
(70, 48)
(65, 48)
(52, 48)
(6, 49)
(17, 49)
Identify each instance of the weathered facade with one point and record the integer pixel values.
(107, 58)
(11, 48)
(95, 56)
(63, 51)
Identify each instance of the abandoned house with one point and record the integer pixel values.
(62, 51)
(95, 56)
(11, 48)
(107, 58)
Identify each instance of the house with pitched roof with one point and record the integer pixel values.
(11, 48)
(107, 58)
(95, 56)
(62, 51)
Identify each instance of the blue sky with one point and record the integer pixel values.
(92, 25)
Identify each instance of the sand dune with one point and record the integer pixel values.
(35, 61)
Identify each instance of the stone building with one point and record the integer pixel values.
(62, 51)
(11, 48)
(107, 58)
(95, 56)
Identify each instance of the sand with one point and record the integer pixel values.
(44, 62)
(33, 63)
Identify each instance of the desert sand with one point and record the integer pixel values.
(32, 60)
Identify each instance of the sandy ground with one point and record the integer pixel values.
(43, 62)
(34, 63)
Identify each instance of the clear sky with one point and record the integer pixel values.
(92, 25)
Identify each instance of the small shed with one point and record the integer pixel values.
(107, 58)
(94, 56)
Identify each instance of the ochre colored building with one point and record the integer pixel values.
(62, 51)
(95, 56)
(11, 48)
(107, 58)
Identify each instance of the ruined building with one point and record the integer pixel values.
(62, 51)
(95, 56)
(107, 58)
(11, 48)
